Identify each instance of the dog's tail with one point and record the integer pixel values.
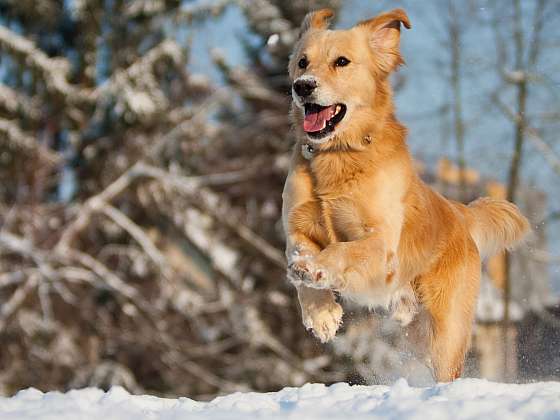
(495, 225)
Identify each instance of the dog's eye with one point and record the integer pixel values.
(303, 62)
(341, 62)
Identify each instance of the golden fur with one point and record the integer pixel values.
(359, 220)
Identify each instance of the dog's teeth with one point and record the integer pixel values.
(338, 108)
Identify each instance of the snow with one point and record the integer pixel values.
(463, 399)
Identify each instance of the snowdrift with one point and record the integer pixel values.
(463, 399)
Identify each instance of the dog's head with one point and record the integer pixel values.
(339, 78)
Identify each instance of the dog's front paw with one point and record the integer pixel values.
(300, 270)
(318, 277)
(324, 322)
(304, 271)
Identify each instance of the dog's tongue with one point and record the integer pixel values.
(315, 121)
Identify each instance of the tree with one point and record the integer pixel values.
(130, 252)
(516, 64)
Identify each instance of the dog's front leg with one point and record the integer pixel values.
(355, 267)
(305, 237)
(320, 312)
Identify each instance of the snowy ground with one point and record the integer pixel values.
(463, 399)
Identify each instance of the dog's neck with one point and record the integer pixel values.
(342, 164)
(310, 150)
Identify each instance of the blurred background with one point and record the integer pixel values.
(143, 150)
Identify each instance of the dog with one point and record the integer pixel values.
(359, 222)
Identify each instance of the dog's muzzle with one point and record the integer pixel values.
(304, 87)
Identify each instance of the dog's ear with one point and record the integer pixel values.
(384, 33)
(318, 19)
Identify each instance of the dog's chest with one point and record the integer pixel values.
(357, 199)
(342, 219)
(356, 214)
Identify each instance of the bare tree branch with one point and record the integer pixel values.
(139, 235)
(547, 152)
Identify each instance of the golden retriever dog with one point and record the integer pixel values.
(359, 221)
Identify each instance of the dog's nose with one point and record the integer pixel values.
(304, 87)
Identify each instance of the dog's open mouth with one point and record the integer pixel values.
(321, 120)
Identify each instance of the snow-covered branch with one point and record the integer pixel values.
(135, 89)
(53, 71)
(16, 104)
(17, 139)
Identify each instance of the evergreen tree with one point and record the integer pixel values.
(140, 204)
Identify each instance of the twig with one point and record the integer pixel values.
(54, 71)
(43, 290)
(15, 277)
(13, 135)
(139, 235)
(66, 295)
(200, 114)
(188, 185)
(140, 169)
(224, 216)
(548, 153)
(77, 273)
(21, 246)
(8, 308)
(544, 256)
(115, 283)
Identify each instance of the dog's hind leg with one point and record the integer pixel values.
(449, 294)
